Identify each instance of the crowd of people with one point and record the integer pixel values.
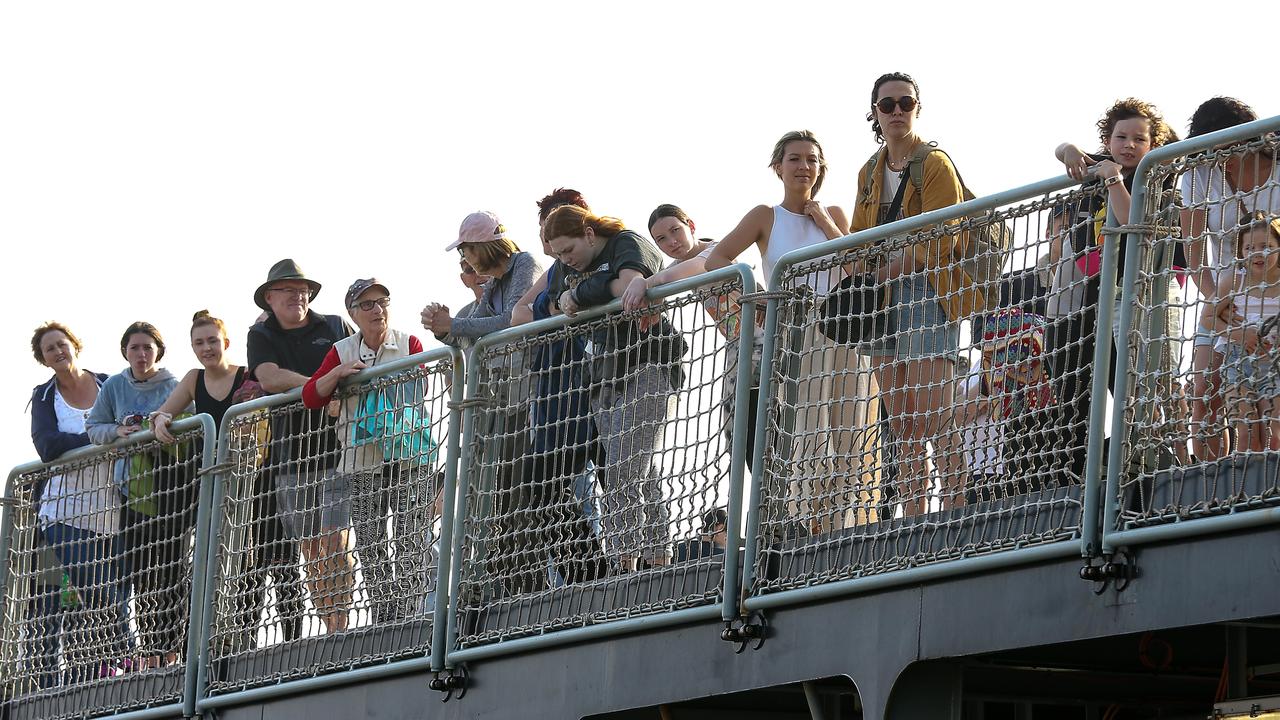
(590, 409)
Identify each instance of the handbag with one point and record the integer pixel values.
(857, 311)
(400, 432)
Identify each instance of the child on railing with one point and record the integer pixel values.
(1246, 317)
(634, 376)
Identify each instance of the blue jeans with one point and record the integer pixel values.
(97, 631)
(44, 633)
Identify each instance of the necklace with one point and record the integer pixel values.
(900, 165)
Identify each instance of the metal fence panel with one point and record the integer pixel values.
(327, 527)
(880, 450)
(595, 478)
(100, 555)
(1196, 432)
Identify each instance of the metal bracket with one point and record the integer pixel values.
(1121, 567)
(450, 682)
(750, 631)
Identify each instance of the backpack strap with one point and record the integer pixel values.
(869, 172)
(916, 165)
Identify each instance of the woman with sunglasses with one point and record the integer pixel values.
(821, 486)
(914, 360)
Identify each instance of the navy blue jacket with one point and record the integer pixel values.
(49, 441)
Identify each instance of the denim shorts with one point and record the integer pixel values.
(1250, 375)
(1204, 336)
(313, 503)
(918, 326)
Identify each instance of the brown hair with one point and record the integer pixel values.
(780, 149)
(492, 254)
(559, 198)
(202, 318)
(38, 337)
(875, 95)
(144, 328)
(573, 221)
(1129, 108)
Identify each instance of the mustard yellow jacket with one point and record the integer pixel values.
(941, 188)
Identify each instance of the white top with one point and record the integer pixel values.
(85, 497)
(1254, 308)
(1206, 187)
(791, 232)
(889, 187)
(983, 436)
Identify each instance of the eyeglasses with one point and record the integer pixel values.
(468, 270)
(886, 104)
(293, 292)
(367, 305)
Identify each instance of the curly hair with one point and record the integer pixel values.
(875, 91)
(38, 337)
(780, 149)
(1129, 108)
(1219, 113)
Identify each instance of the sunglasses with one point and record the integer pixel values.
(886, 104)
(367, 305)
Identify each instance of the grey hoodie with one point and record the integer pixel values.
(122, 396)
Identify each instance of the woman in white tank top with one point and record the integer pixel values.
(1249, 298)
(829, 488)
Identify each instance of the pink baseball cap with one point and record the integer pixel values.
(479, 227)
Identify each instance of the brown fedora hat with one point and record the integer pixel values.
(284, 270)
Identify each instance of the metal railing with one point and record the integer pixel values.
(600, 483)
(326, 528)
(947, 469)
(1192, 445)
(585, 477)
(100, 548)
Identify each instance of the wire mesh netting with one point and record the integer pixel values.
(931, 395)
(328, 534)
(596, 483)
(1203, 429)
(99, 571)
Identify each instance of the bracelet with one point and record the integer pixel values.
(157, 414)
(1111, 181)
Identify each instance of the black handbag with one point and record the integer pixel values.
(855, 311)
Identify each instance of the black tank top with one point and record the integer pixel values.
(205, 403)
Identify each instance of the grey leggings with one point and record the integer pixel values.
(630, 418)
(397, 567)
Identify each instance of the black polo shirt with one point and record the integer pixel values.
(304, 433)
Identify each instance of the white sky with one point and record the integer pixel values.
(157, 157)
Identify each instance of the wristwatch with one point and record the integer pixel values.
(1112, 180)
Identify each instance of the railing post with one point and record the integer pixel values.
(460, 496)
(197, 607)
(730, 595)
(442, 617)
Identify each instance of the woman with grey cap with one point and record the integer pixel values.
(385, 464)
(484, 245)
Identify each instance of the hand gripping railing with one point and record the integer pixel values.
(599, 490)
(98, 549)
(358, 483)
(837, 505)
(1154, 491)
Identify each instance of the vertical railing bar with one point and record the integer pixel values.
(199, 566)
(730, 597)
(460, 493)
(1091, 537)
(444, 567)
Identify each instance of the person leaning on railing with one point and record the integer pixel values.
(1128, 130)
(557, 507)
(634, 374)
(928, 295)
(825, 472)
(377, 483)
(1213, 196)
(152, 539)
(84, 507)
(672, 231)
(284, 350)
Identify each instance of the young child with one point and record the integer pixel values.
(1249, 298)
(981, 432)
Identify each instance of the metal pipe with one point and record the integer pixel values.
(582, 634)
(913, 576)
(314, 684)
(752, 539)
(457, 528)
(196, 606)
(730, 594)
(1193, 527)
(159, 712)
(444, 569)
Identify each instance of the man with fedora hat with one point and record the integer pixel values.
(284, 350)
